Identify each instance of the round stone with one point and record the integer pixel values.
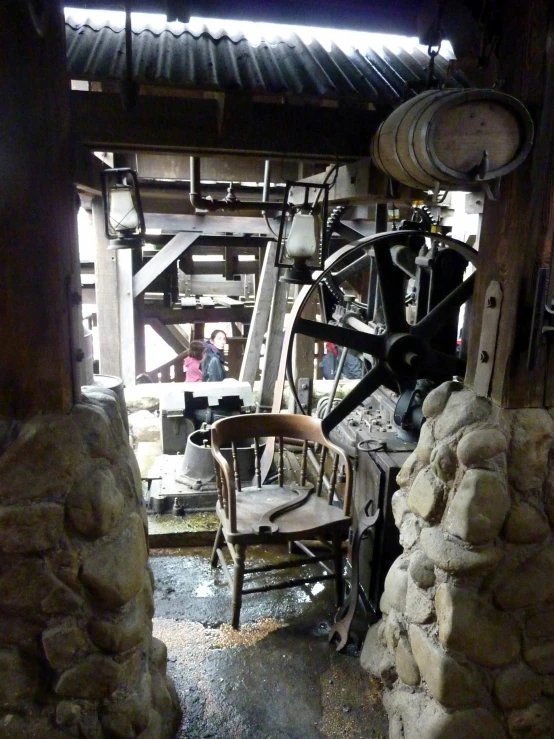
(479, 446)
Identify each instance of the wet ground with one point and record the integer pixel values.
(276, 678)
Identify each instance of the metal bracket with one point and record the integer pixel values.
(489, 336)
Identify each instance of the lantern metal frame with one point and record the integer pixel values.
(123, 238)
(299, 270)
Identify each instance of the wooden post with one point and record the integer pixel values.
(124, 260)
(138, 317)
(260, 322)
(274, 343)
(105, 269)
(518, 230)
(39, 277)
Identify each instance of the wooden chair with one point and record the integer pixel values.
(277, 513)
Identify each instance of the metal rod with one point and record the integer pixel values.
(289, 584)
(197, 201)
(312, 559)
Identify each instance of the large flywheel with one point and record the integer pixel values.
(401, 345)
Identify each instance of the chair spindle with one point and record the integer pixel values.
(303, 471)
(280, 468)
(333, 480)
(257, 462)
(321, 471)
(236, 469)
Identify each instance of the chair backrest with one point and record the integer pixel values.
(288, 429)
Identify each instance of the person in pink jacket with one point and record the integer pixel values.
(191, 365)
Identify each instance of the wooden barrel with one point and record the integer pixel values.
(456, 138)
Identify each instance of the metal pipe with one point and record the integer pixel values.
(197, 201)
(267, 180)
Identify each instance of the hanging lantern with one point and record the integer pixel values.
(302, 242)
(123, 216)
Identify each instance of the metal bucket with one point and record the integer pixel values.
(197, 469)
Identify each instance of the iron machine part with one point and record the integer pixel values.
(400, 346)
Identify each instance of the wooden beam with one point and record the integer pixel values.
(518, 229)
(208, 224)
(357, 182)
(274, 343)
(195, 125)
(223, 168)
(240, 313)
(106, 290)
(126, 315)
(39, 302)
(168, 334)
(163, 259)
(86, 173)
(260, 320)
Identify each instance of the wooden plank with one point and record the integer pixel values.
(206, 302)
(40, 261)
(207, 224)
(222, 168)
(260, 321)
(188, 302)
(201, 284)
(163, 259)
(181, 539)
(274, 343)
(225, 300)
(179, 124)
(241, 313)
(106, 297)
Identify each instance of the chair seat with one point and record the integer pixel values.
(310, 519)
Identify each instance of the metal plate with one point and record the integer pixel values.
(489, 335)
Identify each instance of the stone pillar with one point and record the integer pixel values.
(466, 642)
(77, 656)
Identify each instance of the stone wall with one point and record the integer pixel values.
(466, 642)
(77, 656)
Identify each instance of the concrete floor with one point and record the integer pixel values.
(277, 678)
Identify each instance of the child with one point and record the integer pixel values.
(191, 365)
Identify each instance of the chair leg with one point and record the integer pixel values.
(238, 581)
(218, 541)
(339, 580)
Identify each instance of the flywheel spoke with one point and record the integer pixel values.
(435, 319)
(342, 336)
(391, 282)
(367, 385)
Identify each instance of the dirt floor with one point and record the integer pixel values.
(276, 678)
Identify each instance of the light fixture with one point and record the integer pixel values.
(301, 249)
(123, 216)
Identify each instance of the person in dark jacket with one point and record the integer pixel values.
(352, 368)
(213, 363)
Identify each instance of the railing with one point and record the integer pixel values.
(171, 371)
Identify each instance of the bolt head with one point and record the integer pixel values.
(484, 357)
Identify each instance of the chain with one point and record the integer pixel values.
(434, 41)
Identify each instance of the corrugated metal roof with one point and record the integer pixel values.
(253, 58)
